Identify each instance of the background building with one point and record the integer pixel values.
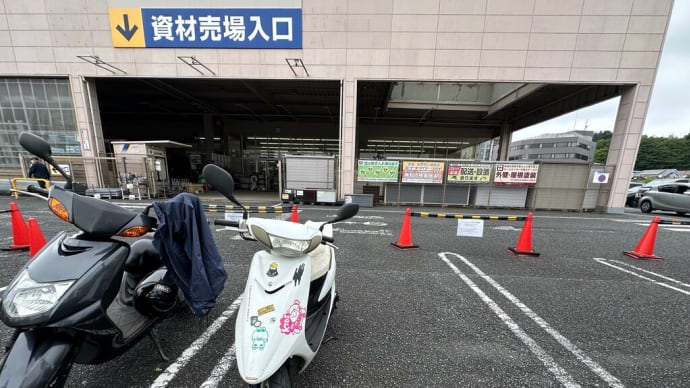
(243, 85)
(570, 147)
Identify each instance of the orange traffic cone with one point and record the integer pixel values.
(645, 248)
(405, 239)
(524, 245)
(294, 217)
(36, 239)
(20, 232)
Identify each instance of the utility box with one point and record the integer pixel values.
(310, 177)
(363, 200)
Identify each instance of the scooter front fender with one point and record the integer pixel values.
(34, 360)
(270, 325)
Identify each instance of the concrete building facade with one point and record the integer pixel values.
(569, 147)
(552, 56)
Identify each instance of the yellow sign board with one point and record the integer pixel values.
(127, 27)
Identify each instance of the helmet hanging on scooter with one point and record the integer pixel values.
(153, 298)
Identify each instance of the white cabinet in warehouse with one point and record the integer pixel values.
(309, 172)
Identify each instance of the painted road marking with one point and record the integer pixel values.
(591, 364)
(381, 232)
(538, 351)
(506, 227)
(221, 369)
(367, 223)
(171, 371)
(606, 262)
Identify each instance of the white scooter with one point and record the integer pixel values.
(290, 291)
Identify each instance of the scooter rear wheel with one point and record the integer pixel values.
(285, 377)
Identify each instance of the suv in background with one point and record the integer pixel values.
(671, 197)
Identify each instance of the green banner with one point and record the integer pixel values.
(377, 170)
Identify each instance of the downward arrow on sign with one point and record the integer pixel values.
(126, 31)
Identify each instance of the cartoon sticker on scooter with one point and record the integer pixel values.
(297, 277)
(291, 322)
(259, 338)
(272, 270)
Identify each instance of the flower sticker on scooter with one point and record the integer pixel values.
(291, 322)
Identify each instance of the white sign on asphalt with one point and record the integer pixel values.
(471, 228)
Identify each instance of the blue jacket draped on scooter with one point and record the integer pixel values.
(186, 245)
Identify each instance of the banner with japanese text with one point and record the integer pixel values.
(377, 170)
(422, 172)
(253, 28)
(468, 173)
(516, 174)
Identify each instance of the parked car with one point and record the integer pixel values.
(654, 184)
(670, 197)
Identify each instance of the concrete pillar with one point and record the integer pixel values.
(348, 143)
(627, 134)
(504, 144)
(89, 128)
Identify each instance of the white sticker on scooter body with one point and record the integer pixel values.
(270, 335)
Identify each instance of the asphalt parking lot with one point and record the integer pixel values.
(457, 311)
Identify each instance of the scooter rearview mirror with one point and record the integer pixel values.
(41, 148)
(346, 211)
(222, 181)
(35, 145)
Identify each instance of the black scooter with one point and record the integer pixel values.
(87, 297)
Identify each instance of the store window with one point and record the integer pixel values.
(42, 106)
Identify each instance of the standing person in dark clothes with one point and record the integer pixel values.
(39, 170)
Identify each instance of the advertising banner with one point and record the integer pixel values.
(468, 173)
(516, 174)
(422, 172)
(377, 170)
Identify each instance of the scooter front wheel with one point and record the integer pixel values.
(285, 377)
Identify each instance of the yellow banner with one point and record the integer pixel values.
(468, 173)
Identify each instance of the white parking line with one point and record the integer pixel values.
(677, 229)
(220, 370)
(538, 351)
(171, 371)
(591, 364)
(605, 262)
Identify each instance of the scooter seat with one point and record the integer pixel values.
(320, 261)
(143, 257)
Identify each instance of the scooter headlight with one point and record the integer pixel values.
(25, 297)
(289, 247)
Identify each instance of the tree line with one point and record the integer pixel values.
(655, 153)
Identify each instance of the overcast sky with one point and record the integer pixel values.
(669, 109)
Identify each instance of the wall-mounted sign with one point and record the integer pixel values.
(377, 170)
(600, 177)
(516, 174)
(414, 171)
(255, 28)
(468, 173)
(64, 167)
